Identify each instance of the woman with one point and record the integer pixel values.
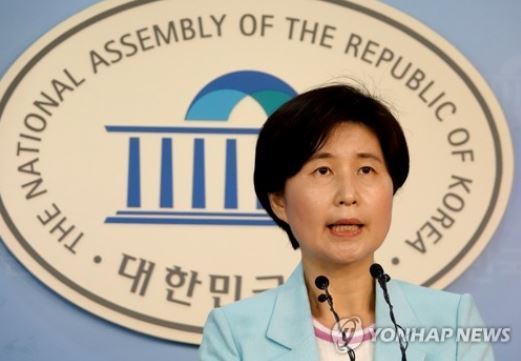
(328, 164)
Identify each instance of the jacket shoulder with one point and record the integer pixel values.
(428, 295)
(259, 305)
(250, 314)
(231, 330)
(442, 309)
(436, 307)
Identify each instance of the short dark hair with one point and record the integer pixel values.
(300, 127)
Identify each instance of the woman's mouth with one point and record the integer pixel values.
(345, 227)
(351, 227)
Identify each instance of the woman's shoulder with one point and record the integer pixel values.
(256, 305)
(439, 305)
(426, 294)
(238, 326)
(261, 305)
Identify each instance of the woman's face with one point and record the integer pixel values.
(339, 204)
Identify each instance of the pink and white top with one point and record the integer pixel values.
(330, 343)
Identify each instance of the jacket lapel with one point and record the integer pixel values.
(405, 317)
(290, 323)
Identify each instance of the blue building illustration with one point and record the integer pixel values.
(214, 102)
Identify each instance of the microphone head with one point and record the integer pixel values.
(322, 298)
(322, 282)
(376, 270)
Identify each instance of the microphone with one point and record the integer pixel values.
(322, 283)
(377, 272)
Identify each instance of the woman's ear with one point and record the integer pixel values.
(278, 205)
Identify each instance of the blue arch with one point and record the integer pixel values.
(219, 97)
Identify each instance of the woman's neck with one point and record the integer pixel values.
(351, 287)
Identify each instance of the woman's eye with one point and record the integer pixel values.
(322, 171)
(366, 170)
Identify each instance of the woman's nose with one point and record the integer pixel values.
(346, 192)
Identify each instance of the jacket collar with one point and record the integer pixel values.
(291, 321)
(291, 327)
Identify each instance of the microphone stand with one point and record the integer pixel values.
(379, 275)
(322, 282)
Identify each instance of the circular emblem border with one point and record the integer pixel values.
(344, 3)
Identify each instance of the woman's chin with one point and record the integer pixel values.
(345, 258)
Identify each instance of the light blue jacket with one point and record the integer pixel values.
(277, 325)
